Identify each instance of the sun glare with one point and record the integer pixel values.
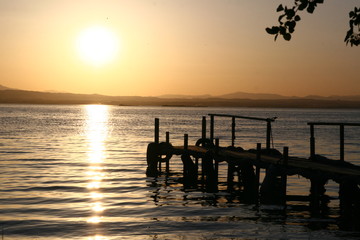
(97, 45)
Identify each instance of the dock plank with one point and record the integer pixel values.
(299, 164)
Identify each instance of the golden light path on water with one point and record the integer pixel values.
(96, 131)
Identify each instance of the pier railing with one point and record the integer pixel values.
(342, 136)
(234, 117)
(243, 168)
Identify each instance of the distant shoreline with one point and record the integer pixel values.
(33, 97)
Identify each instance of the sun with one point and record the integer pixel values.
(97, 45)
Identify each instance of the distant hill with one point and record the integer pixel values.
(335, 97)
(243, 95)
(2, 87)
(239, 99)
(185, 96)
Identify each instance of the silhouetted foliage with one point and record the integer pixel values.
(353, 35)
(289, 18)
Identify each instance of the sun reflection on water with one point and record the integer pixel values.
(96, 131)
(98, 238)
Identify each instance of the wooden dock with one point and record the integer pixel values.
(201, 165)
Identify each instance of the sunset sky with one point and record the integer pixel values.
(155, 47)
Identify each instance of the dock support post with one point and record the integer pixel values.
(209, 172)
(203, 128)
(167, 138)
(312, 143)
(318, 199)
(168, 161)
(230, 176)
(233, 132)
(342, 142)
(189, 171)
(186, 142)
(152, 158)
(212, 128)
(257, 170)
(156, 140)
(349, 195)
(216, 174)
(284, 173)
(268, 134)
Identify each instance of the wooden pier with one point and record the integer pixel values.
(201, 167)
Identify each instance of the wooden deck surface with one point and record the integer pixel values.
(336, 170)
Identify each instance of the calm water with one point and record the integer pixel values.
(78, 172)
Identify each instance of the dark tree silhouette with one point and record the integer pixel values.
(289, 18)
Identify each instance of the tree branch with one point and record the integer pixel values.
(289, 18)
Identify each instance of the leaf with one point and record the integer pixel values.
(280, 8)
(280, 17)
(287, 36)
(297, 18)
(290, 13)
(351, 23)
(320, 1)
(291, 25)
(348, 34)
(357, 42)
(357, 20)
(303, 5)
(273, 30)
(352, 14)
(310, 8)
(282, 30)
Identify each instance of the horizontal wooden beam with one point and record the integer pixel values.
(333, 124)
(243, 117)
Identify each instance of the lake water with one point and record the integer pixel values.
(78, 172)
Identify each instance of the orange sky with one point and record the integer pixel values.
(178, 47)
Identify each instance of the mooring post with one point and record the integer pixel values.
(211, 128)
(186, 141)
(233, 132)
(217, 143)
(312, 143)
(257, 169)
(156, 140)
(230, 175)
(342, 158)
(216, 168)
(268, 133)
(167, 138)
(284, 174)
(203, 128)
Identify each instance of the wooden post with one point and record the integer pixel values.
(230, 176)
(167, 139)
(217, 142)
(342, 142)
(186, 139)
(216, 168)
(257, 169)
(268, 134)
(284, 174)
(203, 129)
(156, 140)
(212, 128)
(286, 156)
(167, 166)
(312, 143)
(233, 132)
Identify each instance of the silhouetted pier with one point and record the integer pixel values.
(201, 167)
